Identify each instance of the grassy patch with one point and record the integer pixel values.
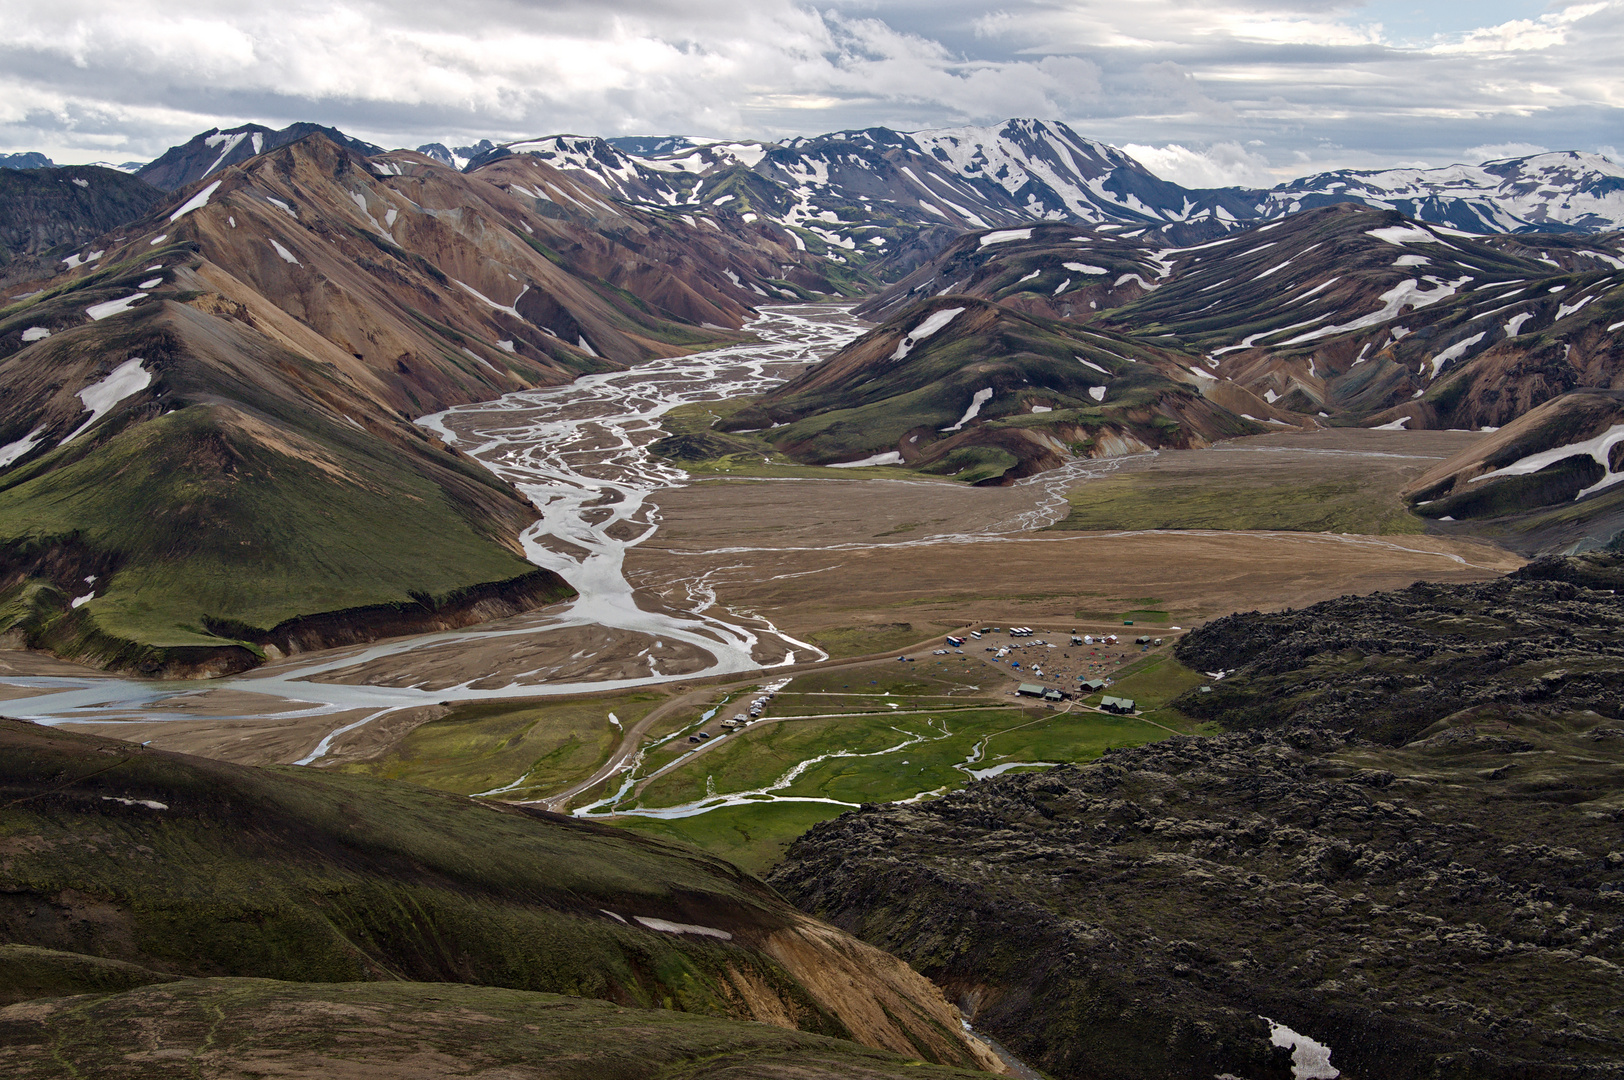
(486, 745)
(1146, 501)
(247, 533)
(880, 637)
(751, 837)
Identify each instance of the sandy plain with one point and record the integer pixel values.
(855, 564)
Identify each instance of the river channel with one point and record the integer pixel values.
(578, 452)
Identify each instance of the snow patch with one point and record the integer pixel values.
(85, 599)
(201, 199)
(1310, 1060)
(1097, 392)
(1397, 425)
(1042, 408)
(1084, 268)
(665, 927)
(1455, 351)
(1403, 234)
(1411, 260)
(287, 256)
(112, 307)
(935, 322)
(891, 457)
(1003, 236)
(35, 333)
(156, 240)
(978, 399)
(1597, 449)
(150, 804)
(100, 398)
(1515, 323)
(1091, 364)
(12, 451)
(150, 283)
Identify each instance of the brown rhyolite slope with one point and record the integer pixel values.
(311, 294)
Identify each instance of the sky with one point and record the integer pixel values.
(1229, 92)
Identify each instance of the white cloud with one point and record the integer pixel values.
(1490, 151)
(1222, 91)
(1220, 165)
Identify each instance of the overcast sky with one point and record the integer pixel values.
(1235, 91)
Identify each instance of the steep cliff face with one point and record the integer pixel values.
(45, 209)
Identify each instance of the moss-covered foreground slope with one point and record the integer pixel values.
(1412, 855)
(198, 868)
(411, 1031)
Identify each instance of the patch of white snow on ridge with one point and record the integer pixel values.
(1062, 287)
(1598, 448)
(1091, 364)
(935, 322)
(1455, 352)
(150, 804)
(1514, 324)
(586, 346)
(12, 451)
(35, 333)
(126, 379)
(78, 601)
(511, 309)
(1411, 260)
(201, 199)
(890, 457)
(287, 256)
(1143, 284)
(1564, 310)
(151, 283)
(156, 240)
(1097, 392)
(1310, 1060)
(1030, 276)
(1085, 268)
(1407, 293)
(112, 307)
(682, 928)
(980, 398)
(1005, 235)
(1396, 425)
(1042, 408)
(1403, 234)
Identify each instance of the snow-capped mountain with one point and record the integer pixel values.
(214, 149)
(860, 195)
(1557, 192)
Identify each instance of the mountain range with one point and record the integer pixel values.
(258, 304)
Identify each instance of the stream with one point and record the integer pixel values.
(578, 453)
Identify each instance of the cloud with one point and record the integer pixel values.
(1490, 151)
(1220, 165)
(1299, 83)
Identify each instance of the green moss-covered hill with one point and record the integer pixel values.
(129, 858)
(982, 393)
(1548, 480)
